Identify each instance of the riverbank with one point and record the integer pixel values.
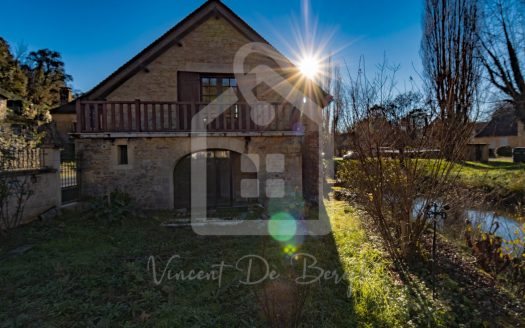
(502, 183)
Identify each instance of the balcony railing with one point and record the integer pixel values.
(154, 116)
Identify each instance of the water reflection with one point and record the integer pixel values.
(508, 228)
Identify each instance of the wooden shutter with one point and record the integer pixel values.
(188, 86)
(249, 81)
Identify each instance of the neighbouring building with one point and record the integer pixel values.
(64, 119)
(133, 131)
(504, 129)
(477, 152)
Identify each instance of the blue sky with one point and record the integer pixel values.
(95, 37)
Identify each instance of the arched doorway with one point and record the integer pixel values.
(223, 178)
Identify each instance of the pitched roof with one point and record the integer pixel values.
(479, 126)
(68, 108)
(504, 123)
(168, 39)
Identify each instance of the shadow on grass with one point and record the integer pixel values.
(84, 271)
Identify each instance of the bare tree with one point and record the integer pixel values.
(503, 49)
(398, 167)
(339, 100)
(333, 82)
(336, 108)
(452, 66)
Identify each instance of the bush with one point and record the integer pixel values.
(505, 151)
(338, 162)
(113, 208)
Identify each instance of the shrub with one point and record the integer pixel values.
(338, 162)
(113, 208)
(500, 258)
(505, 151)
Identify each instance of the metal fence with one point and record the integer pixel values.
(69, 181)
(68, 174)
(25, 159)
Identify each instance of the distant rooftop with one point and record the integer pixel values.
(504, 123)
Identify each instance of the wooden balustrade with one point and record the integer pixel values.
(155, 116)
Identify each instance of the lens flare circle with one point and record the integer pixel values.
(282, 226)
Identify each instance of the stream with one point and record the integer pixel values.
(509, 228)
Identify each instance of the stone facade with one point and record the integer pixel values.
(64, 124)
(148, 176)
(210, 47)
(496, 142)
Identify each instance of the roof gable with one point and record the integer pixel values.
(172, 38)
(504, 123)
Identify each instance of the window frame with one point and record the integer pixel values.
(121, 151)
(220, 87)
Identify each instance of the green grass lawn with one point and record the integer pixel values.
(84, 273)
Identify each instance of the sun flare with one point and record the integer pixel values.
(310, 67)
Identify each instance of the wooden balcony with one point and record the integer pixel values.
(167, 117)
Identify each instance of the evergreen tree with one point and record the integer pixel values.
(46, 76)
(12, 77)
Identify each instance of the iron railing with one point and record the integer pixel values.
(22, 159)
(68, 174)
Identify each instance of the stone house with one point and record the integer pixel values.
(63, 123)
(504, 129)
(136, 130)
(64, 116)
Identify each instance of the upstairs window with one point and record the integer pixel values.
(213, 86)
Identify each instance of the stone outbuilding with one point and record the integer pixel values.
(181, 104)
(505, 129)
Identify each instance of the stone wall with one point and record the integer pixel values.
(44, 185)
(148, 177)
